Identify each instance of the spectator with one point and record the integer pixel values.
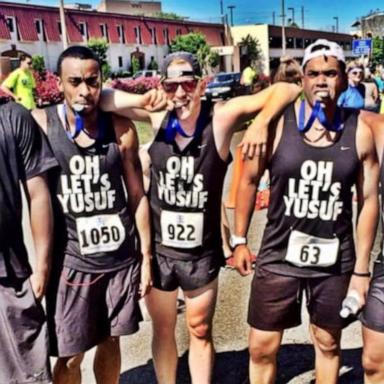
(20, 84)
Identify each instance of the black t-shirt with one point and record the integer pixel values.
(24, 154)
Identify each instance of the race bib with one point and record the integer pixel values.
(182, 229)
(101, 233)
(310, 251)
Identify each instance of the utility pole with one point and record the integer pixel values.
(63, 26)
(231, 7)
(273, 18)
(302, 16)
(293, 14)
(337, 23)
(283, 27)
(222, 12)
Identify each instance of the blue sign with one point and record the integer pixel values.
(361, 47)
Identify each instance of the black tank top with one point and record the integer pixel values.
(185, 195)
(94, 230)
(311, 195)
(378, 269)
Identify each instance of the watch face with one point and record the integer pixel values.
(237, 240)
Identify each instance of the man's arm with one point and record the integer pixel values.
(368, 206)
(245, 205)
(9, 83)
(137, 200)
(41, 218)
(271, 101)
(135, 107)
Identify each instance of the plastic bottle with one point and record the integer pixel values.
(350, 305)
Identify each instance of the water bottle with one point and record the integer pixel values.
(350, 305)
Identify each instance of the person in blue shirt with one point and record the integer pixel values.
(354, 95)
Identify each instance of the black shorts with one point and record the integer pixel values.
(89, 307)
(23, 334)
(170, 273)
(275, 301)
(372, 316)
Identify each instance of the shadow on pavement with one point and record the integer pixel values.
(232, 367)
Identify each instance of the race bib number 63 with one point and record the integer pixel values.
(311, 251)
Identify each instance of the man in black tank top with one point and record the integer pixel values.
(315, 155)
(189, 157)
(99, 271)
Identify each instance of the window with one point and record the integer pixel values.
(120, 33)
(275, 42)
(166, 36)
(103, 30)
(153, 36)
(299, 42)
(290, 43)
(59, 27)
(83, 30)
(38, 26)
(10, 24)
(178, 32)
(138, 34)
(120, 59)
(307, 42)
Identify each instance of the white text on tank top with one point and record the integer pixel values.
(313, 196)
(179, 186)
(86, 190)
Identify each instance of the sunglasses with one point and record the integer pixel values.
(187, 85)
(356, 72)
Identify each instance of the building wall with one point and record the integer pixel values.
(127, 7)
(120, 31)
(373, 24)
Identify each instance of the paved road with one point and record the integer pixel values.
(230, 334)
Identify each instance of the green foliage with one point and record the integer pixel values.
(169, 15)
(100, 47)
(214, 59)
(38, 64)
(195, 43)
(253, 50)
(135, 65)
(377, 56)
(153, 65)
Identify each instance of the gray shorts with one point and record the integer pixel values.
(275, 302)
(170, 273)
(89, 307)
(23, 335)
(373, 313)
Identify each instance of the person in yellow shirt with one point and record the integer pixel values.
(20, 83)
(247, 77)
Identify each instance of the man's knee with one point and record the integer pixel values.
(372, 363)
(71, 363)
(200, 329)
(327, 342)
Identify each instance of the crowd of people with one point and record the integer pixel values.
(102, 242)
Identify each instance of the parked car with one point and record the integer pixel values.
(224, 85)
(146, 73)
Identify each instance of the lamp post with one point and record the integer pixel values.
(337, 23)
(63, 26)
(231, 7)
(293, 14)
(283, 27)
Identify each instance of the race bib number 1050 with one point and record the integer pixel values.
(182, 229)
(101, 233)
(311, 251)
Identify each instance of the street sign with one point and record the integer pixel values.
(361, 47)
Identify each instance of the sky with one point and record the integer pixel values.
(318, 14)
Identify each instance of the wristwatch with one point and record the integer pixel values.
(234, 241)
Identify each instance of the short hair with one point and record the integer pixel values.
(354, 64)
(288, 71)
(25, 56)
(77, 52)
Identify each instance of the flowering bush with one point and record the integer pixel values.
(140, 85)
(47, 91)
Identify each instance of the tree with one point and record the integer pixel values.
(100, 48)
(194, 42)
(38, 64)
(377, 56)
(169, 15)
(252, 51)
